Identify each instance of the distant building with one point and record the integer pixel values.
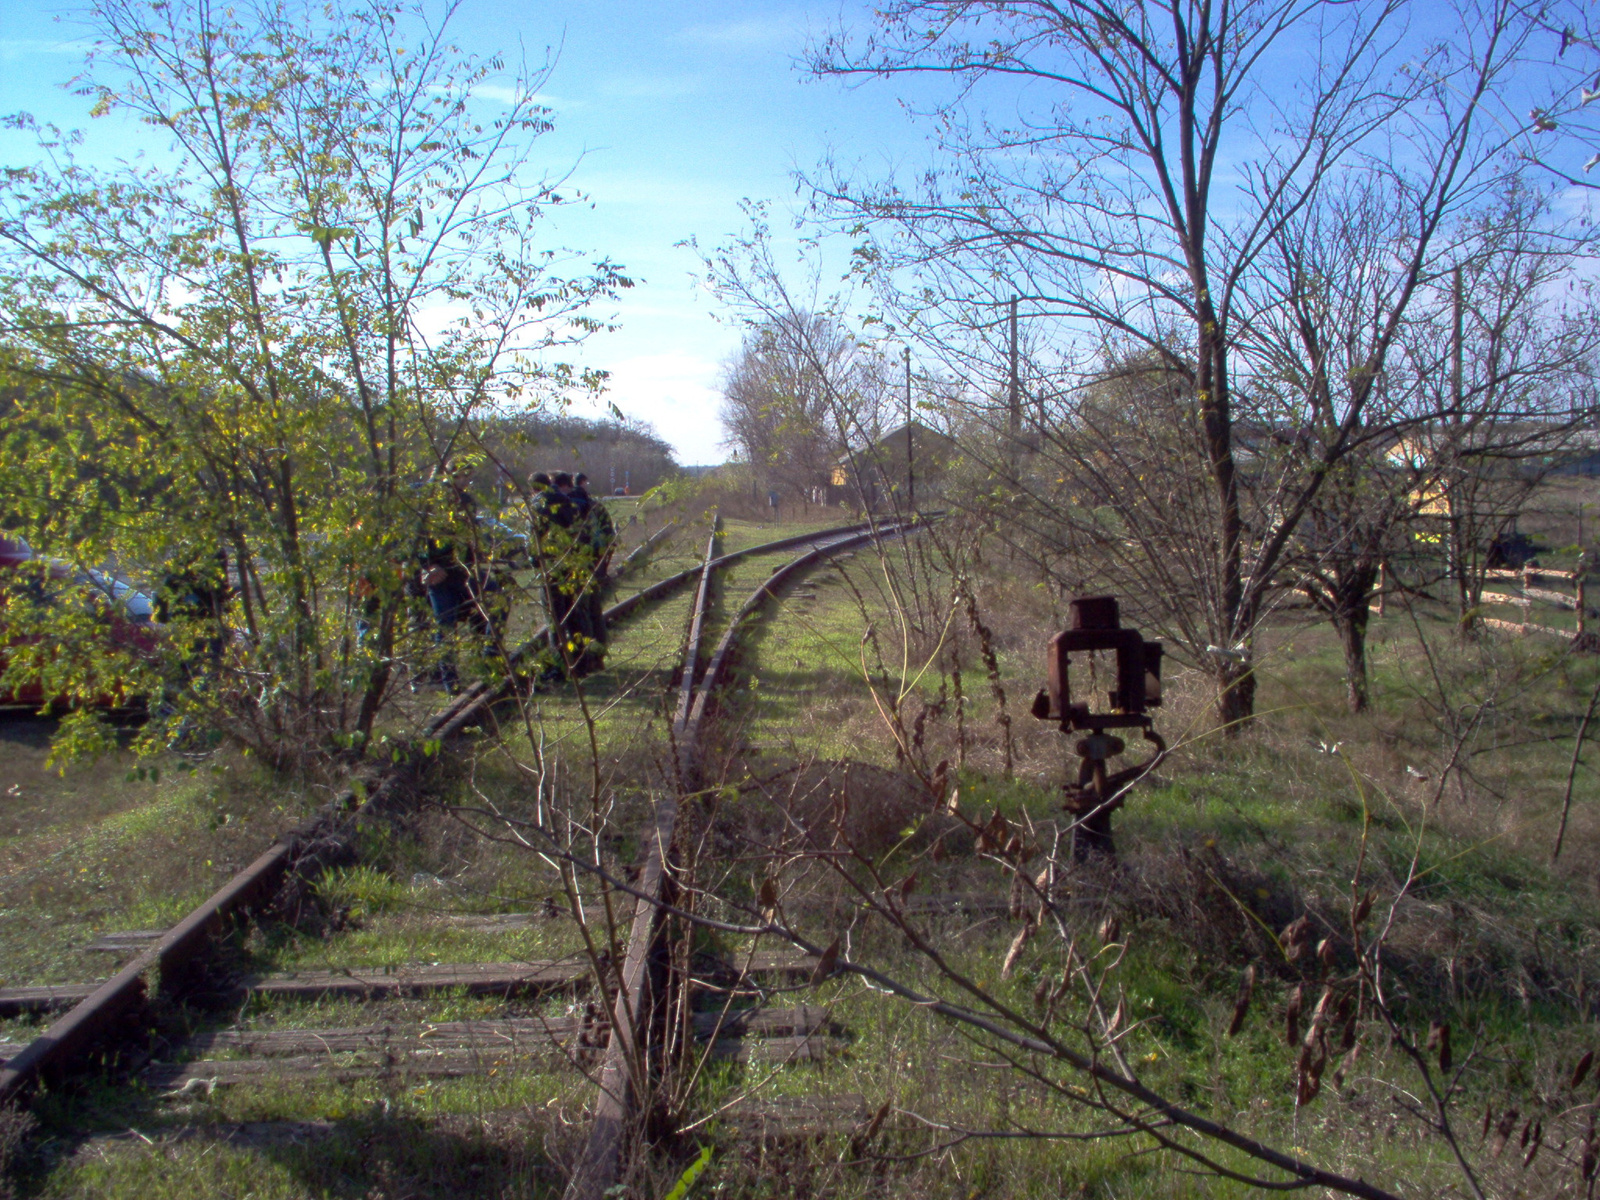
(1580, 456)
(1530, 447)
(904, 468)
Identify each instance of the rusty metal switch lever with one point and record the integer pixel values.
(1098, 793)
(1095, 626)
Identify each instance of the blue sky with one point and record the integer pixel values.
(668, 113)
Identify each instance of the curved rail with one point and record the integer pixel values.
(108, 1015)
(624, 1071)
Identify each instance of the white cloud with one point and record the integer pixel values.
(678, 393)
(502, 94)
(15, 48)
(771, 30)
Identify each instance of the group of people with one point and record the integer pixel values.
(573, 540)
(467, 579)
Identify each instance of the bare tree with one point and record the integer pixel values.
(1154, 161)
(800, 393)
(806, 395)
(1484, 361)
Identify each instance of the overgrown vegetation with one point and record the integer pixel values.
(1345, 937)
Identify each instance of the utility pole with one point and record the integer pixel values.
(1456, 560)
(911, 448)
(1455, 343)
(1016, 383)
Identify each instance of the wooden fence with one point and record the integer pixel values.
(1538, 585)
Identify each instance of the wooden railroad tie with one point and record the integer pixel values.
(458, 1049)
(475, 979)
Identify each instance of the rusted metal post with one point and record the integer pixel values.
(1580, 581)
(911, 448)
(1099, 792)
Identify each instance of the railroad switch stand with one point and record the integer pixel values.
(1099, 792)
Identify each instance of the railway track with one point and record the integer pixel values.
(646, 989)
(111, 1020)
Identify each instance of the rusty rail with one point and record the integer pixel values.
(623, 1073)
(630, 1016)
(689, 676)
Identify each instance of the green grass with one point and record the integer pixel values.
(488, 1139)
(1235, 837)
(103, 853)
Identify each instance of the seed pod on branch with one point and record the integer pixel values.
(1041, 991)
(1018, 944)
(826, 963)
(1116, 1016)
(1313, 1059)
(1017, 900)
(1241, 1003)
(1291, 1014)
(1502, 1132)
(1362, 909)
(1439, 1039)
(767, 898)
(1533, 1150)
(1296, 938)
(1345, 1065)
(1319, 1015)
(1325, 954)
(993, 835)
(1110, 928)
(1581, 1071)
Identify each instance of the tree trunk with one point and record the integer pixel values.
(1351, 625)
(1236, 695)
(1349, 613)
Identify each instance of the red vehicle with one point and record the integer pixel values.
(126, 614)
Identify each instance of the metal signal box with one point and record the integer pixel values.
(1095, 626)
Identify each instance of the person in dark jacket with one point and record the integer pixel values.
(558, 554)
(447, 576)
(599, 535)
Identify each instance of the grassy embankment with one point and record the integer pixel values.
(1235, 837)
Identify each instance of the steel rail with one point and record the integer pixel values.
(113, 1012)
(632, 1008)
(624, 1071)
(690, 673)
